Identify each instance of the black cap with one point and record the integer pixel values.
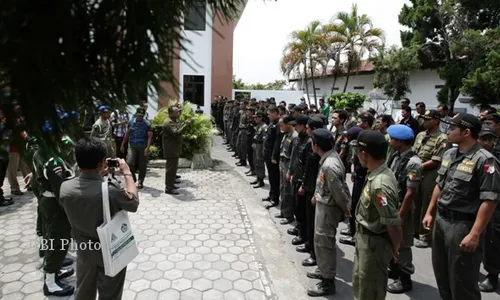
(302, 120)
(297, 108)
(431, 114)
(321, 116)
(488, 130)
(315, 123)
(140, 111)
(371, 141)
(367, 117)
(353, 133)
(466, 121)
(323, 138)
(289, 120)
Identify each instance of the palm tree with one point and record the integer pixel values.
(303, 53)
(357, 34)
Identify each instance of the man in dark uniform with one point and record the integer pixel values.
(307, 190)
(49, 172)
(408, 169)
(235, 128)
(491, 259)
(301, 150)
(271, 156)
(242, 135)
(287, 124)
(250, 114)
(258, 150)
(358, 179)
(378, 232)
(466, 194)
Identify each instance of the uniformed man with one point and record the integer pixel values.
(493, 120)
(287, 124)
(250, 115)
(103, 130)
(235, 124)
(307, 189)
(173, 129)
(331, 198)
(49, 172)
(378, 233)
(491, 260)
(258, 150)
(301, 150)
(466, 194)
(242, 135)
(407, 167)
(339, 117)
(358, 179)
(271, 156)
(226, 118)
(430, 146)
(81, 199)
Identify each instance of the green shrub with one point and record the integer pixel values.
(154, 153)
(196, 137)
(347, 101)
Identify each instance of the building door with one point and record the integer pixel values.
(194, 89)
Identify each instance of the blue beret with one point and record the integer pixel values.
(400, 132)
(104, 108)
(354, 132)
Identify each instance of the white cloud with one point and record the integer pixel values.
(264, 28)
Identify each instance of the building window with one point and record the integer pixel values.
(439, 86)
(194, 89)
(335, 88)
(359, 87)
(317, 89)
(195, 18)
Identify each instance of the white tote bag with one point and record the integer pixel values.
(118, 245)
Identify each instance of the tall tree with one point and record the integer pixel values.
(304, 51)
(74, 53)
(359, 37)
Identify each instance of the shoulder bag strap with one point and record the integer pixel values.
(105, 203)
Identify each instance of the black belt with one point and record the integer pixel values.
(453, 215)
(257, 142)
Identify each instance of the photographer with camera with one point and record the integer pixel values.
(81, 198)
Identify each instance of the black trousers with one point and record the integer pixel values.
(310, 215)
(118, 143)
(250, 154)
(4, 163)
(273, 171)
(357, 189)
(299, 209)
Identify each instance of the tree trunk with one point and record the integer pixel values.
(335, 76)
(312, 80)
(349, 66)
(307, 85)
(346, 80)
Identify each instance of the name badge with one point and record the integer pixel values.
(445, 163)
(465, 168)
(366, 193)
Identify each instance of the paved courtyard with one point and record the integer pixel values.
(215, 241)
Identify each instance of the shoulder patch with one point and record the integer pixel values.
(382, 200)
(443, 145)
(490, 169)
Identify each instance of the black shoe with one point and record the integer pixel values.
(66, 290)
(293, 231)
(348, 240)
(266, 199)
(6, 202)
(255, 181)
(323, 288)
(65, 273)
(298, 240)
(489, 284)
(234, 155)
(315, 275)
(172, 192)
(140, 185)
(248, 172)
(273, 204)
(241, 164)
(176, 187)
(310, 262)
(346, 231)
(251, 174)
(177, 181)
(279, 216)
(16, 193)
(422, 244)
(287, 221)
(259, 185)
(303, 249)
(177, 176)
(67, 262)
(402, 285)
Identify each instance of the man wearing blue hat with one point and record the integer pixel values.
(102, 130)
(407, 167)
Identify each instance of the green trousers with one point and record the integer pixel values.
(57, 234)
(371, 262)
(456, 272)
(405, 256)
(172, 164)
(422, 201)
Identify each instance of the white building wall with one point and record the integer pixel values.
(424, 85)
(197, 59)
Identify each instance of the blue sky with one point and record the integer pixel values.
(264, 29)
